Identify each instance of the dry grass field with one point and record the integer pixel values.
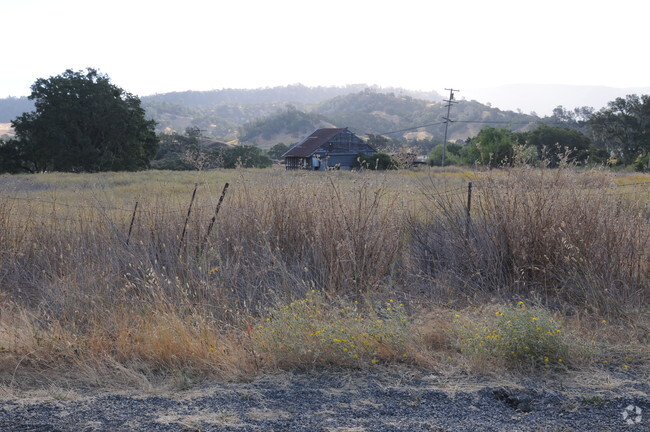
(120, 278)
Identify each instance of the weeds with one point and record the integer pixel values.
(76, 297)
(561, 236)
(517, 337)
(317, 331)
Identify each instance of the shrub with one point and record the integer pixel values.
(642, 163)
(516, 337)
(241, 156)
(318, 331)
(377, 161)
(452, 155)
(172, 163)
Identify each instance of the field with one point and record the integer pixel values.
(134, 279)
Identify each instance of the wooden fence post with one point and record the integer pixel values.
(216, 212)
(187, 218)
(469, 208)
(128, 237)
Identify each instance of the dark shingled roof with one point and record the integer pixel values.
(310, 144)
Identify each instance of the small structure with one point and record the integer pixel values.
(336, 148)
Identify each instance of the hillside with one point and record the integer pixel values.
(286, 126)
(372, 112)
(219, 113)
(297, 94)
(265, 117)
(396, 116)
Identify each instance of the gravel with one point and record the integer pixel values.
(346, 401)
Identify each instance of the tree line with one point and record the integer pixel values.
(192, 151)
(618, 134)
(502, 147)
(83, 123)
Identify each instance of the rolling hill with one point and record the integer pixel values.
(265, 117)
(395, 116)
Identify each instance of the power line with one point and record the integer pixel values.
(504, 122)
(411, 128)
(467, 121)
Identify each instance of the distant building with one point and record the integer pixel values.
(335, 148)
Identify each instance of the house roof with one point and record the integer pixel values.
(309, 145)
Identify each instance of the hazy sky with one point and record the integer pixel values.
(159, 46)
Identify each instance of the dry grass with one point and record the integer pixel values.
(81, 297)
(570, 240)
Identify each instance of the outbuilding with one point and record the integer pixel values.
(335, 148)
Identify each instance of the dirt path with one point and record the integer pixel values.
(347, 401)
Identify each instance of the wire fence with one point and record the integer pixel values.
(46, 211)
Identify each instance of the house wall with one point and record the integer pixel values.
(294, 163)
(341, 152)
(346, 142)
(344, 161)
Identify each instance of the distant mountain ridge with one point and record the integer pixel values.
(221, 113)
(368, 112)
(254, 100)
(264, 117)
(294, 94)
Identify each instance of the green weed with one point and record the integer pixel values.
(516, 337)
(319, 331)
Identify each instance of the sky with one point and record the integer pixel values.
(149, 47)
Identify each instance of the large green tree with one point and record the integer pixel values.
(491, 147)
(180, 151)
(277, 151)
(240, 156)
(10, 161)
(452, 155)
(82, 122)
(553, 143)
(624, 126)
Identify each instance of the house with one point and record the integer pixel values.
(327, 148)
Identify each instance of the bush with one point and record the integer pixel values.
(318, 331)
(240, 156)
(452, 155)
(491, 147)
(598, 156)
(377, 161)
(642, 164)
(173, 163)
(515, 337)
(10, 158)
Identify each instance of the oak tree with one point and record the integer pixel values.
(82, 122)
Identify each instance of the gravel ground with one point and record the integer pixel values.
(347, 401)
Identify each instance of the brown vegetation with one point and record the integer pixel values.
(82, 298)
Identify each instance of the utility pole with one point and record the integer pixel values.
(450, 102)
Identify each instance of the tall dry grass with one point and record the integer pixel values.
(158, 300)
(567, 238)
(79, 293)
